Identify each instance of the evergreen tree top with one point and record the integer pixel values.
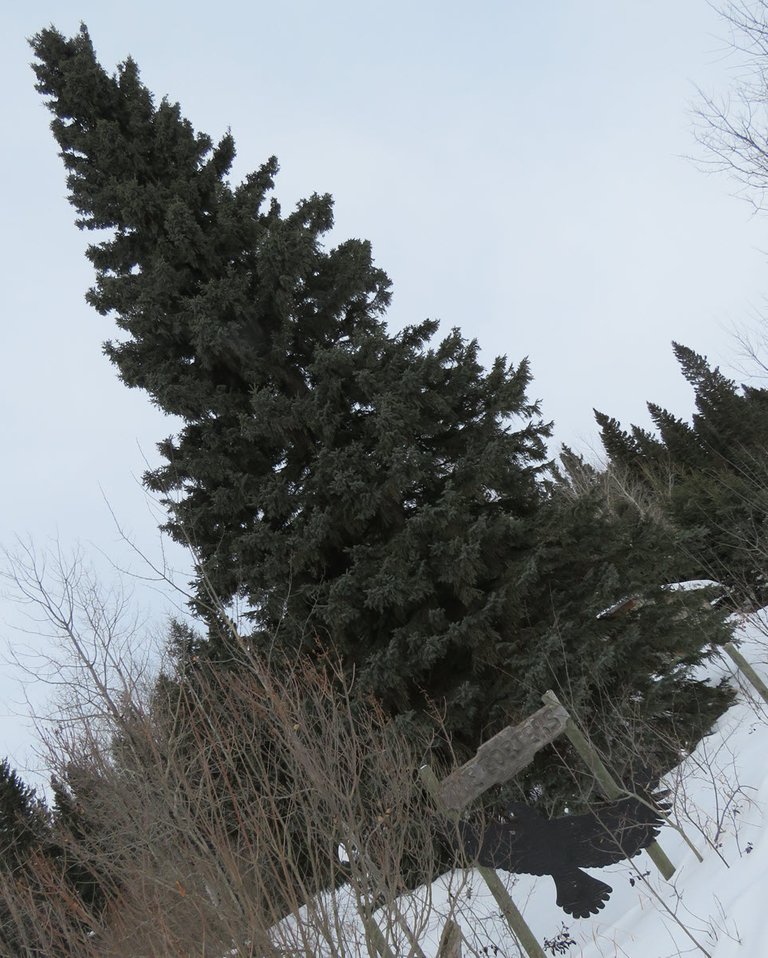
(22, 816)
(710, 471)
(185, 244)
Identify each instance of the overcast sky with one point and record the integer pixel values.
(519, 168)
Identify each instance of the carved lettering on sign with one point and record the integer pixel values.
(502, 756)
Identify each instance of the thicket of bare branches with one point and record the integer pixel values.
(733, 128)
(209, 806)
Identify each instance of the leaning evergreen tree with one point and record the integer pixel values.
(354, 490)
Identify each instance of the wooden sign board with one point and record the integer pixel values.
(502, 756)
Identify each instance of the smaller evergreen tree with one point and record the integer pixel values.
(24, 829)
(79, 845)
(712, 473)
(614, 641)
(22, 818)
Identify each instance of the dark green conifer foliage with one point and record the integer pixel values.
(23, 830)
(369, 492)
(616, 442)
(22, 818)
(78, 847)
(712, 472)
(604, 554)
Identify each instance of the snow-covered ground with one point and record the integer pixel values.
(717, 906)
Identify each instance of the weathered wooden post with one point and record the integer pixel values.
(450, 941)
(502, 757)
(609, 786)
(496, 761)
(741, 663)
(376, 936)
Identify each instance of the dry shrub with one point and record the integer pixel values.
(211, 816)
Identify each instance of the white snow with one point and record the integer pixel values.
(691, 585)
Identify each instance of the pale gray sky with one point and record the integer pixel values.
(518, 168)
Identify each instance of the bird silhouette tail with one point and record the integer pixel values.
(579, 894)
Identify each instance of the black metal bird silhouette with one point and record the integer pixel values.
(529, 844)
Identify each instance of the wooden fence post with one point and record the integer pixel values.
(377, 936)
(610, 788)
(741, 663)
(450, 941)
(513, 916)
(416, 949)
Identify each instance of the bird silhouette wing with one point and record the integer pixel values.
(529, 844)
(514, 846)
(608, 834)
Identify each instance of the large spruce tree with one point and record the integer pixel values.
(356, 490)
(378, 495)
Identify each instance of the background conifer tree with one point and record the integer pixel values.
(614, 641)
(24, 829)
(22, 818)
(712, 472)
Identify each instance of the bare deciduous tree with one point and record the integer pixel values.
(733, 128)
(212, 804)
